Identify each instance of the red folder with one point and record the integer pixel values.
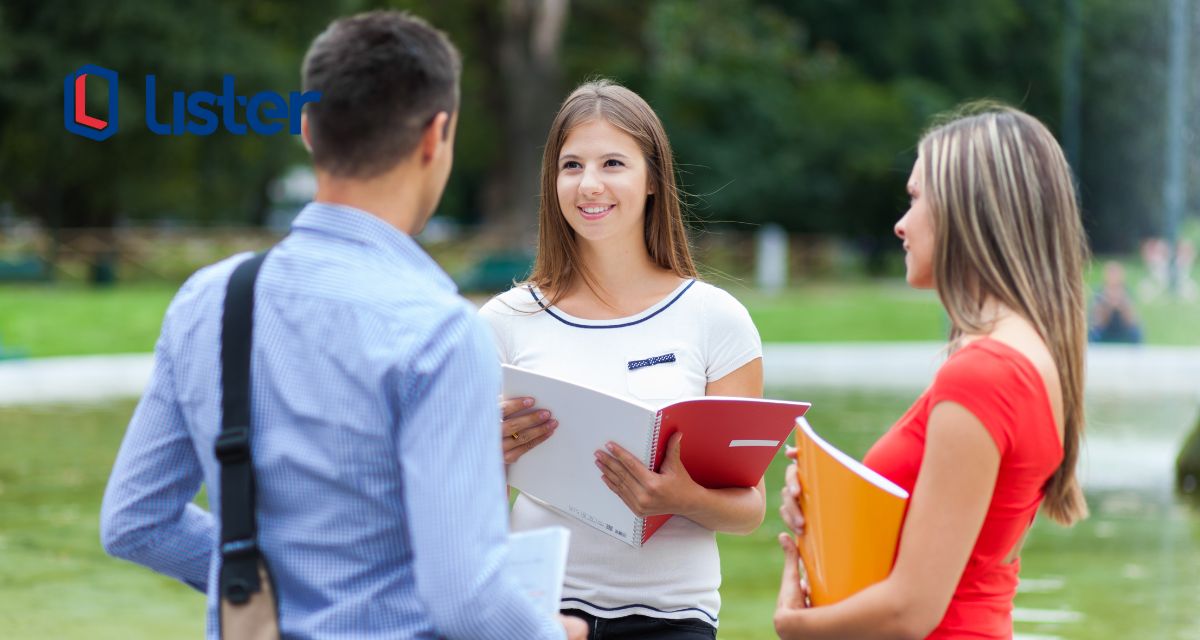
(727, 442)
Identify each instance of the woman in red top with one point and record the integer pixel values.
(993, 226)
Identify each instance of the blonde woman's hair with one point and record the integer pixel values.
(558, 266)
(1008, 227)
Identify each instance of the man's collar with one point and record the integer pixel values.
(349, 223)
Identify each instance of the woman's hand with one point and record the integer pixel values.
(789, 506)
(520, 431)
(793, 590)
(576, 628)
(645, 492)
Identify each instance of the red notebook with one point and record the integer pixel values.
(727, 442)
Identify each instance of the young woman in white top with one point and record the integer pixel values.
(613, 284)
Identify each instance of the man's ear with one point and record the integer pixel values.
(304, 135)
(435, 135)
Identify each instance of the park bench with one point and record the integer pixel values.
(495, 272)
(23, 269)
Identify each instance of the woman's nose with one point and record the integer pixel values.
(590, 183)
(899, 228)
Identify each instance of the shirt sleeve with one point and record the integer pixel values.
(147, 515)
(498, 318)
(732, 339)
(983, 384)
(454, 490)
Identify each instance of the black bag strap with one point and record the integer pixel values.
(239, 533)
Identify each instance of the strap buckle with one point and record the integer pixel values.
(233, 445)
(239, 570)
(239, 548)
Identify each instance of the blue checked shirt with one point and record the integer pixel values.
(381, 502)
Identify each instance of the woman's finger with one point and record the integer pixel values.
(790, 592)
(631, 466)
(521, 424)
(516, 434)
(792, 481)
(789, 508)
(531, 438)
(610, 466)
(514, 405)
(620, 473)
(792, 519)
(627, 493)
(618, 489)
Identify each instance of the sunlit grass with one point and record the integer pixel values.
(60, 320)
(54, 320)
(55, 580)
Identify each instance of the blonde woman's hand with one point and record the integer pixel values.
(793, 589)
(789, 506)
(523, 427)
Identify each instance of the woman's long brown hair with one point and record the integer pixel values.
(558, 266)
(1008, 227)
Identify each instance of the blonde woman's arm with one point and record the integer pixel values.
(946, 512)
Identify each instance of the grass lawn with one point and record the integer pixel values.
(1129, 571)
(60, 320)
(56, 320)
(56, 581)
(863, 311)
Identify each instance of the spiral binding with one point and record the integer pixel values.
(639, 525)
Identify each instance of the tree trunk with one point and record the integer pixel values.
(527, 54)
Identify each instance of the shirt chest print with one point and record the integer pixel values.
(650, 362)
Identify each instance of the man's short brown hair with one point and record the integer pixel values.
(383, 76)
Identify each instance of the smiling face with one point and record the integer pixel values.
(603, 184)
(916, 230)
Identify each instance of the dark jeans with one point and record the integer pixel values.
(638, 627)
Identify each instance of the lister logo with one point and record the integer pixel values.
(75, 115)
(196, 113)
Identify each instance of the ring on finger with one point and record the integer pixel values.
(516, 436)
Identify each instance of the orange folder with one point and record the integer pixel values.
(852, 519)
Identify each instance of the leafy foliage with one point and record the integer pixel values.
(800, 113)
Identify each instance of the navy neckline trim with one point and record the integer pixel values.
(609, 326)
(641, 606)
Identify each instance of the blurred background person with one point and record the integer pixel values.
(1113, 318)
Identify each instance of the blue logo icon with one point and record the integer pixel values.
(75, 115)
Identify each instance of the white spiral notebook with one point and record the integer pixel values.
(727, 442)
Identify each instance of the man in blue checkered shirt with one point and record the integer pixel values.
(380, 487)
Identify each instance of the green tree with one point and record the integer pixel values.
(770, 129)
(1124, 107)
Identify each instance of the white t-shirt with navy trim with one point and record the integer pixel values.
(695, 335)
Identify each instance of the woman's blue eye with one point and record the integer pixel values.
(571, 164)
(612, 162)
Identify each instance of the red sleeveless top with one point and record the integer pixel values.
(1005, 392)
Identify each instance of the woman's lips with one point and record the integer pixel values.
(595, 212)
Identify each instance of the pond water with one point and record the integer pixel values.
(1131, 570)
